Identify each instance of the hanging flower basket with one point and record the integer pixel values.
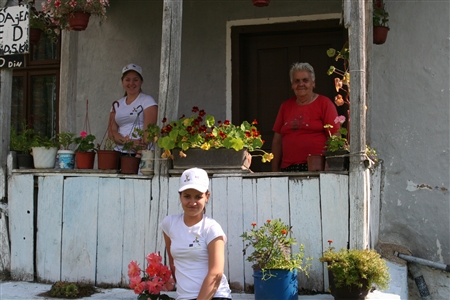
(380, 34)
(79, 20)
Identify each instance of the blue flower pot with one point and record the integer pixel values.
(66, 159)
(282, 285)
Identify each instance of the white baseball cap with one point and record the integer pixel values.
(194, 178)
(132, 67)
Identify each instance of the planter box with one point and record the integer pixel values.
(217, 159)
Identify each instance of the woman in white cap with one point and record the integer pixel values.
(195, 243)
(135, 109)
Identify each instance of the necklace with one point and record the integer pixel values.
(306, 102)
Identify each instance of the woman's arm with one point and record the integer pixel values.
(216, 262)
(113, 130)
(277, 152)
(171, 264)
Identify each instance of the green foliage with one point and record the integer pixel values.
(272, 247)
(109, 144)
(200, 131)
(336, 142)
(64, 289)
(380, 15)
(44, 141)
(349, 266)
(84, 142)
(149, 134)
(65, 139)
(22, 141)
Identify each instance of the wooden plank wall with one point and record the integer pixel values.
(89, 228)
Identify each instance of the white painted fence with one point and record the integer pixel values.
(88, 228)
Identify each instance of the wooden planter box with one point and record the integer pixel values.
(215, 159)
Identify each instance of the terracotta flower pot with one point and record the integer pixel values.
(380, 34)
(85, 160)
(78, 20)
(108, 159)
(129, 164)
(316, 162)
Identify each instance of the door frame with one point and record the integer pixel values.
(233, 43)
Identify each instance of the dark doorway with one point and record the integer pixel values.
(261, 59)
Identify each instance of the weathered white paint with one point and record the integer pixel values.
(21, 226)
(101, 227)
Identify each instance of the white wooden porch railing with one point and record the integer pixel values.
(87, 227)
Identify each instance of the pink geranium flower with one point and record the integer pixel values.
(83, 134)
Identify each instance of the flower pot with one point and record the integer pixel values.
(316, 162)
(78, 20)
(85, 160)
(24, 161)
(44, 158)
(217, 159)
(380, 34)
(261, 3)
(282, 284)
(66, 159)
(108, 159)
(35, 36)
(147, 162)
(129, 164)
(348, 292)
(337, 160)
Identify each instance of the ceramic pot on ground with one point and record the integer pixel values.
(44, 158)
(85, 160)
(346, 292)
(129, 164)
(282, 285)
(107, 159)
(316, 162)
(78, 20)
(66, 159)
(380, 34)
(147, 162)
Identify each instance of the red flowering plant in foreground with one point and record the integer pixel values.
(200, 131)
(84, 142)
(156, 278)
(272, 245)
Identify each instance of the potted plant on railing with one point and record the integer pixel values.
(380, 22)
(150, 136)
(275, 268)
(44, 152)
(66, 156)
(337, 147)
(74, 15)
(129, 164)
(196, 141)
(85, 150)
(108, 158)
(21, 143)
(352, 273)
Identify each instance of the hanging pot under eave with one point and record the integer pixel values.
(261, 3)
(78, 20)
(380, 34)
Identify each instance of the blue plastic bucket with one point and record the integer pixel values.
(282, 285)
(65, 159)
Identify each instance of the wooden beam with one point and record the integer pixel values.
(169, 81)
(359, 235)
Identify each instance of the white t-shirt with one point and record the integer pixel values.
(190, 253)
(130, 116)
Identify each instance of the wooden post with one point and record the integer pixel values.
(358, 178)
(169, 81)
(6, 76)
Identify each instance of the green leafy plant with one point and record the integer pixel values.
(349, 266)
(44, 141)
(149, 134)
(272, 245)
(59, 10)
(337, 141)
(22, 141)
(199, 131)
(84, 142)
(65, 139)
(380, 15)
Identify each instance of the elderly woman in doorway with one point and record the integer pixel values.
(134, 110)
(298, 128)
